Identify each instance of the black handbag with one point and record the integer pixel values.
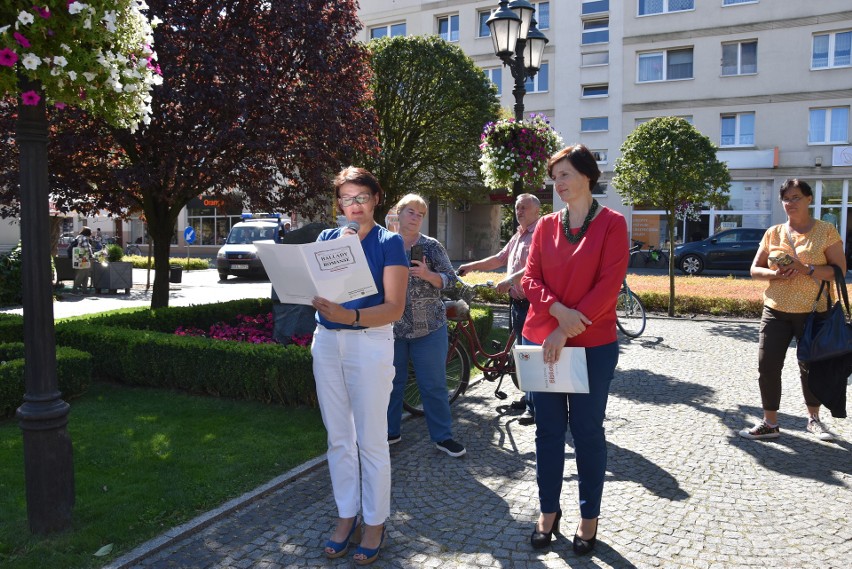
(829, 337)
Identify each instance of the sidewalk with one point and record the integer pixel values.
(682, 490)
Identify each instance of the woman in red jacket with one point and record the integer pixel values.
(577, 262)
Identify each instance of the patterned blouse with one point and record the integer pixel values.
(797, 294)
(424, 309)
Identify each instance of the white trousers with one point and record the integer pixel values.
(353, 370)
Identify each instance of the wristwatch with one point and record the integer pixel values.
(811, 270)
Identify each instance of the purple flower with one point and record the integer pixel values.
(30, 98)
(8, 58)
(21, 39)
(59, 105)
(43, 12)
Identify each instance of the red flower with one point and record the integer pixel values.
(8, 58)
(30, 98)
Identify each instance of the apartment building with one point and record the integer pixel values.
(769, 82)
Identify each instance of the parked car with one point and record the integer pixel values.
(730, 249)
(238, 256)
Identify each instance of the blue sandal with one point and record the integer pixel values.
(341, 548)
(369, 555)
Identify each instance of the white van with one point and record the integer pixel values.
(238, 256)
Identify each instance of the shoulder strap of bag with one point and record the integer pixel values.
(840, 283)
(823, 285)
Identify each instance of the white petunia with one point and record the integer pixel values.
(89, 76)
(155, 21)
(65, 48)
(60, 61)
(31, 61)
(55, 71)
(3, 29)
(87, 23)
(26, 18)
(72, 75)
(76, 7)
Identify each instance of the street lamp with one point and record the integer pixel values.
(518, 43)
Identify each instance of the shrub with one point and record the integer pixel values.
(11, 328)
(114, 253)
(11, 284)
(73, 374)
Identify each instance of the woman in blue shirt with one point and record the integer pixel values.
(353, 368)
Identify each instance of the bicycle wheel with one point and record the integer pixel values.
(458, 375)
(630, 314)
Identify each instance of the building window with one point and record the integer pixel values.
(448, 28)
(600, 157)
(599, 189)
(484, 30)
(539, 83)
(590, 91)
(829, 126)
(594, 58)
(737, 129)
(542, 14)
(594, 124)
(389, 30)
(595, 6)
(495, 75)
(739, 58)
(669, 65)
(650, 7)
(832, 50)
(595, 31)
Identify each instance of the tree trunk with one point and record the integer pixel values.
(671, 231)
(161, 227)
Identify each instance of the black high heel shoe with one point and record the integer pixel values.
(584, 546)
(540, 539)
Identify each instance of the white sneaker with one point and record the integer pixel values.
(816, 427)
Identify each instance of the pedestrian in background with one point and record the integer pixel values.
(81, 260)
(793, 258)
(352, 353)
(513, 256)
(420, 336)
(577, 262)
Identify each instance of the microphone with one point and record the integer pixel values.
(351, 229)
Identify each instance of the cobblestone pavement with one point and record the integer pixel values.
(682, 489)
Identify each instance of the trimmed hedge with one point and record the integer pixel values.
(659, 302)
(73, 373)
(11, 328)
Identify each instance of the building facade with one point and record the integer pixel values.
(770, 83)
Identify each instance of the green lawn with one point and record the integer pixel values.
(146, 460)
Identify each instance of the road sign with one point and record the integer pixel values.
(189, 235)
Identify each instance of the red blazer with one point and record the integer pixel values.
(585, 276)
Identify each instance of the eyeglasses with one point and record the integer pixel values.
(794, 199)
(360, 198)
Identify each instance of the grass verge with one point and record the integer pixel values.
(146, 460)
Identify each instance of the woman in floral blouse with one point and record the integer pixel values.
(421, 335)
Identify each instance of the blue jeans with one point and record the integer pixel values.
(429, 356)
(584, 413)
(517, 316)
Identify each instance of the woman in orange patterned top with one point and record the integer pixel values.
(793, 257)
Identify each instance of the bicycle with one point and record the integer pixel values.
(629, 312)
(493, 365)
(651, 256)
(133, 249)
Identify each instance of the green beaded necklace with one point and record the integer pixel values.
(566, 225)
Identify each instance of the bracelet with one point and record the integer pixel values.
(812, 269)
(357, 317)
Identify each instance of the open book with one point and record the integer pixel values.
(336, 270)
(568, 375)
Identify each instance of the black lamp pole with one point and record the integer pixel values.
(519, 45)
(43, 417)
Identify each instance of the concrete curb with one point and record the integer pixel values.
(162, 541)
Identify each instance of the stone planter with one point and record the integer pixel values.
(112, 277)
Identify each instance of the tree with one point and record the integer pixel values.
(432, 102)
(666, 163)
(259, 98)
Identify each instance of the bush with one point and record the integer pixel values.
(73, 373)
(11, 275)
(188, 264)
(11, 328)
(114, 253)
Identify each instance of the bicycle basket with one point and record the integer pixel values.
(457, 310)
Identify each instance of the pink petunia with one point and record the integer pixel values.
(59, 105)
(21, 39)
(8, 58)
(43, 12)
(30, 98)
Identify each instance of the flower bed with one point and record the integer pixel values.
(253, 329)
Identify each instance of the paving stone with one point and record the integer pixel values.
(682, 489)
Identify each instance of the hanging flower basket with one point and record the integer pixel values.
(96, 55)
(517, 150)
